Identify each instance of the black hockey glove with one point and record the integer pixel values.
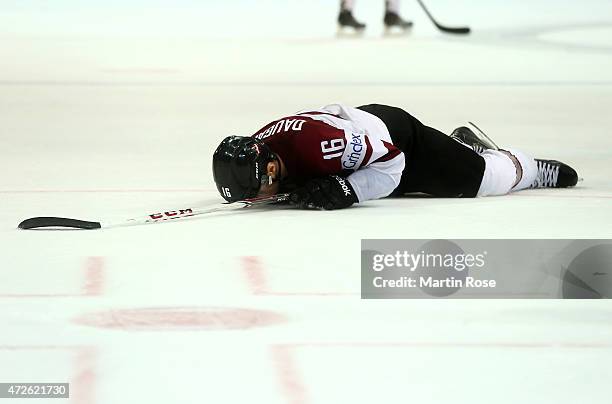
(331, 192)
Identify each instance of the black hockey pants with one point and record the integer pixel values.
(435, 163)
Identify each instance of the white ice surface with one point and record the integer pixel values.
(113, 110)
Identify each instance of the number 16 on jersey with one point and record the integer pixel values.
(332, 148)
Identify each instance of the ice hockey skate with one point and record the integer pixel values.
(395, 24)
(554, 174)
(348, 25)
(478, 140)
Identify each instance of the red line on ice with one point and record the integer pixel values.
(290, 379)
(255, 275)
(94, 276)
(82, 384)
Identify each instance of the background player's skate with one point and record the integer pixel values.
(394, 23)
(347, 24)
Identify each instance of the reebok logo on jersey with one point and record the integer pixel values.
(345, 188)
(354, 152)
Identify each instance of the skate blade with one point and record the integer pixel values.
(484, 135)
(349, 32)
(396, 31)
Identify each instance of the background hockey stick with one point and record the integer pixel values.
(450, 30)
(38, 222)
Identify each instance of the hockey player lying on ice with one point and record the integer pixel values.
(336, 156)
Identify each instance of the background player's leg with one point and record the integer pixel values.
(347, 5)
(435, 163)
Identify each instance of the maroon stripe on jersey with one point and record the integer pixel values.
(392, 153)
(368, 155)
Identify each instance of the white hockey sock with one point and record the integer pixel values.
(500, 173)
(347, 5)
(392, 6)
(530, 169)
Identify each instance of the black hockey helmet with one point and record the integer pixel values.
(239, 167)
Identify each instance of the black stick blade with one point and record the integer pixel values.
(454, 30)
(449, 30)
(37, 222)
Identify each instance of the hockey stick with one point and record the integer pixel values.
(38, 222)
(450, 30)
